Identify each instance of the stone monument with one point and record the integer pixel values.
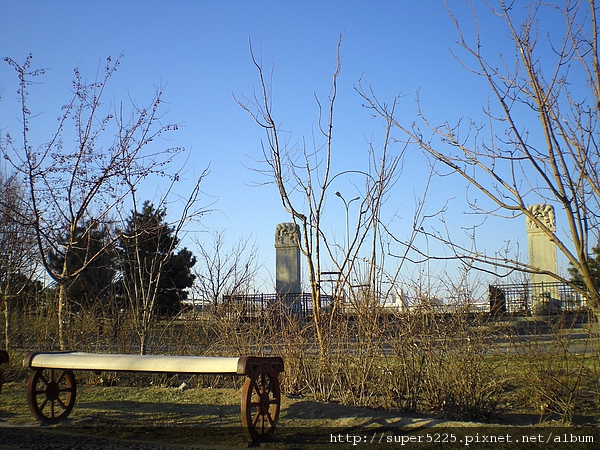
(542, 254)
(287, 265)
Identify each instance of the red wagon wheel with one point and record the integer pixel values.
(261, 399)
(51, 394)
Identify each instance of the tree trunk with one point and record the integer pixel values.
(62, 315)
(143, 342)
(6, 323)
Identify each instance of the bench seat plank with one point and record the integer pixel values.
(135, 363)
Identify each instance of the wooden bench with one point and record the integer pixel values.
(3, 360)
(51, 389)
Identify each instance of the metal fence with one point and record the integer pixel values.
(297, 306)
(534, 298)
(514, 299)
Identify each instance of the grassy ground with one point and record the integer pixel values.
(210, 418)
(531, 378)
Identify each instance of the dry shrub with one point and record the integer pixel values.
(461, 385)
(357, 355)
(307, 367)
(555, 392)
(32, 331)
(290, 340)
(556, 370)
(421, 361)
(444, 365)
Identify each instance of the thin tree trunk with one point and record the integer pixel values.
(6, 323)
(62, 315)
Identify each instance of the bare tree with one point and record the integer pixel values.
(539, 143)
(306, 174)
(17, 248)
(224, 271)
(364, 258)
(304, 177)
(147, 247)
(72, 188)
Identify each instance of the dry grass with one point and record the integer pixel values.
(454, 366)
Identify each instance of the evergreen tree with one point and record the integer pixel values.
(154, 276)
(94, 285)
(594, 265)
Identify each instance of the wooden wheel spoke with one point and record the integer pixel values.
(43, 379)
(60, 402)
(260, 402)
(256, 388)
(255, 419)
(62, 377)
(270, 418)
(262, 424)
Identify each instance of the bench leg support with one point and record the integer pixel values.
(261, 400)
(51, 394)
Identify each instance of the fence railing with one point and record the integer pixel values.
(292, 305)
(535, 298)
(514, 299)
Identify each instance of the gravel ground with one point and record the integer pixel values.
(30, 438)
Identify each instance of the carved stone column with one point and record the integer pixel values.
(287, 265)
(542, 254)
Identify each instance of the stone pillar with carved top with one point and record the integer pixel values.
(542, 254)
(287, 265)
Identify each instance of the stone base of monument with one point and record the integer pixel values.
(545, 305)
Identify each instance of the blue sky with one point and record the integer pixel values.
(199, 51)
